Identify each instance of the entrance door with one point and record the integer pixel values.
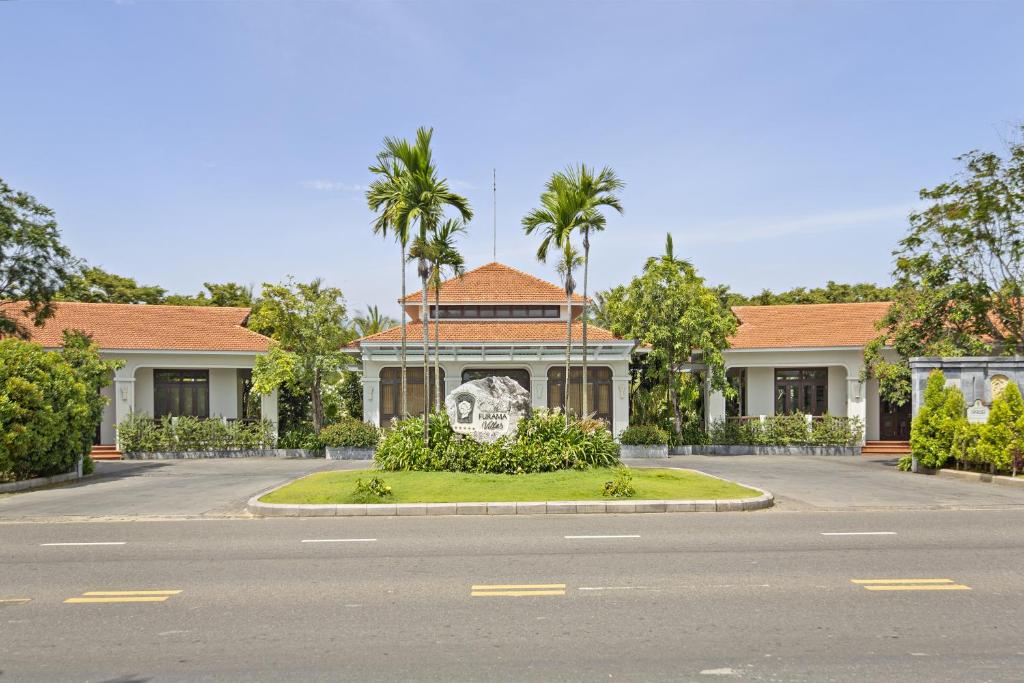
(894, 422)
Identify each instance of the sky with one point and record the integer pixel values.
(782, 144)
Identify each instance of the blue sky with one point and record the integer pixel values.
(781, 143)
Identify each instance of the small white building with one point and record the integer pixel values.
(177, 360)
(499, 321)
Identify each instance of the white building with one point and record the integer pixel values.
(177, 360)
(496, 320)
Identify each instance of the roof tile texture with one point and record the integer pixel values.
(547, 331)
(495, 283)
(142, 327)
(807, 325)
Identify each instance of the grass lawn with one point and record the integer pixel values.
(455, 487)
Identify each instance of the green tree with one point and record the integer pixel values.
(832, 293)
(424, 198)
(372, 322)
(567, 265)
(444, 260)
(83, 355)
(572, 201)
(959, 271)
(307, 323)
(34, 264)
(670, 309)
(216, 294)
(96, 286)
(1002, 437)
(938, 422)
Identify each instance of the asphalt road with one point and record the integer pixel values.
(735, 596)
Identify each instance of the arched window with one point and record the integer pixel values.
(599, 390)
(391, 392)
(517, 375)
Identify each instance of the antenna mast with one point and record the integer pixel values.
(494, 188)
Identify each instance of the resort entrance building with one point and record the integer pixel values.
(498, 321)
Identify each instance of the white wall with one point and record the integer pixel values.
(760, 391)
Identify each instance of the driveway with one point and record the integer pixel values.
(846, 483)
(161, 488)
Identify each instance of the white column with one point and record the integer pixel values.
(268, 409)
(620, 403)
(539, 390)
(714, 406)
(856, 397)
(124, 397)
(371, 398)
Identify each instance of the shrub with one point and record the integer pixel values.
(301, 437)
(48, 407)
(942, 414)
(351, 434)
(643, 435)
(1000, 441)
(832, 430)
(88, 464)
(142, 434)
(370, 491)
(785, 430)
(542, 443)
(621, 486)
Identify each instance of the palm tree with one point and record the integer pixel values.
(372, 322)
(592, 192)
(570, 261)
(384, 197)
(444, 259)
(424, 197)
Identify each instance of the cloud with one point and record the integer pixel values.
(332, 186)
(733, 232)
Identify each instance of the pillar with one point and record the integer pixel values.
(620, 403)
(539, 391)
(857, 397)
(371, 398)
(124, 397)
(268, 409)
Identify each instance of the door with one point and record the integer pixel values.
(894, 422)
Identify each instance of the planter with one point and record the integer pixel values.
(200, 455)
(765, 450)
(350, 453)
(25, 484)
(634, 451)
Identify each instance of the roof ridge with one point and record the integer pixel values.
(494, 266)
(807, 305)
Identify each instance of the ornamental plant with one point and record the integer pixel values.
(643, 435)
(350, 433)
(621, 486)
(941, 416)
(1003, 435)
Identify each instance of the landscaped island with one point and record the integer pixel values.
(338, 488)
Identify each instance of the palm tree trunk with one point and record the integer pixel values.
(437, 344)
(425, 324)
(568, 356)
(586, 268)
(405, 406)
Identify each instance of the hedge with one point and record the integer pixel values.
(643, 435)
(142, 434)
(783, 430)
(350, 433)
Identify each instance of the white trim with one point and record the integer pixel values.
(769, 349)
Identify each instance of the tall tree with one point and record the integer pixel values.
(385, 198)
(95, 285)
(578, 195)
(307, 324)
(444, 261)
(34, 264)
(567, 265)
(372, 322)
(424, 198)
(959, 271)
(670, 309)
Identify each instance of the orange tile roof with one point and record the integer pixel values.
(141, 327)
(546, 331)
(496, 283)
(807, 325)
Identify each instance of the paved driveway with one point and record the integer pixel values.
(843, 483)
(166, 488)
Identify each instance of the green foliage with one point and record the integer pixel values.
(621, 486)
(643, 435)
(351, 394)
(959, 271)
(350, 433)
(942, 414)
(301, 436)
(784, 430)
(372, 490)
(140, 433)
(1002, 439)
(831, 293)
(49, 408)
(88, 464)
(905, 463)
(34, 264)
(542, 443)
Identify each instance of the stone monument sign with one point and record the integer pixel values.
(487, 409)
(978, 413)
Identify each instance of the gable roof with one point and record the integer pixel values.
(807, 325)
(146, 327)
(512, 331)
(496, 283)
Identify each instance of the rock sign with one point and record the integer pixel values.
(487, 409)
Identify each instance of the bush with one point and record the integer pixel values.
(142, 434)
(301, 437)
(350, 433)
(370, 491)
(88, 464)
(1001, 440)
(934, 429)
(621, 486)
(643, 435)
(785, 430)
(49, 408)
(542, 443)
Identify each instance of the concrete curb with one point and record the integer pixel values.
(766, 450)
(982, 477)
(556, 507)
(240, 453)
(13, 486)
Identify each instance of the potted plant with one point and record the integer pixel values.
(350, 439)
(644, 441)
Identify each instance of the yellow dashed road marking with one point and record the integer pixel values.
(517, 590)
(91, 597)
(910, 585)
(14, 601)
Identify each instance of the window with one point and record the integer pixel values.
(391, 392)
(503, 311)
(801, 390)
(599, 390)
(181, 392)
(737, 406)
(520, 376)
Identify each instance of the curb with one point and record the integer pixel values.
(765, 500)
(981, 477)
(26, 484)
